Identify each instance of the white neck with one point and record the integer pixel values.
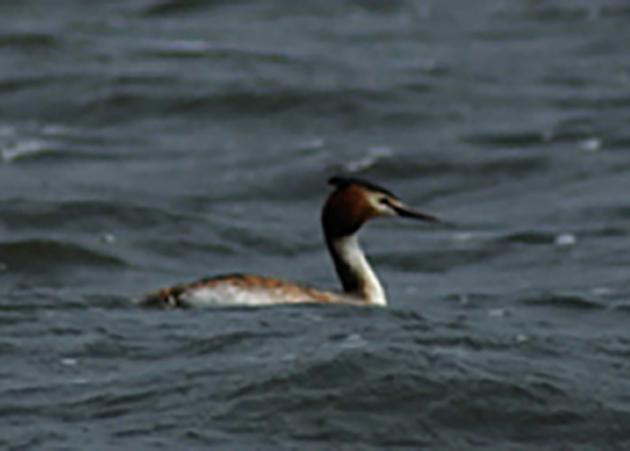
(355, 271)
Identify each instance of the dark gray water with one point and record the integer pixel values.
(146, 142)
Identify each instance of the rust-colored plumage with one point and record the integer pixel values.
(348, 207)
(346, 210)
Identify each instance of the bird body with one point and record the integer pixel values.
(348, 207)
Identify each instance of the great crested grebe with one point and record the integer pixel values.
(351, 204)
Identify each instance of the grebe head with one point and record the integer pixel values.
(354, 201)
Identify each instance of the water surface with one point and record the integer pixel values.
(148, 142)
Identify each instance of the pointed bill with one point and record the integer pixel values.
(410, 212)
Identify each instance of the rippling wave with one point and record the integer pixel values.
(35, 255)
(148, 142)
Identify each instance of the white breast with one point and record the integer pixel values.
(226, 294)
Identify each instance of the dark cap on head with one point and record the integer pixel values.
(342, 182)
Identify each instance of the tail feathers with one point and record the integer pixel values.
(166, 298)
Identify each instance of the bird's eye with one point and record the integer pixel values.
(384, 200)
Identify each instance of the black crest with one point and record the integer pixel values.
(343, 182)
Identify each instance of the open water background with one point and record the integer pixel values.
(145, 142)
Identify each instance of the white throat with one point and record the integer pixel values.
(354, 269)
